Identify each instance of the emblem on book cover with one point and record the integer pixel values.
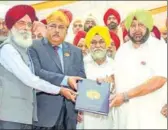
(93, 95)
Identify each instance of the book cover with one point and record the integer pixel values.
(93, 97)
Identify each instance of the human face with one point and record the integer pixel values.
(82, 46)
(112, 22)
(36, 35)
(89, 23)
(111, 49)
(98, 48)
(138, 33)
(21, 32)
(56, 32)
(3, 30)
(77, 26)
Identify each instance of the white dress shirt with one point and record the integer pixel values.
(12, 61)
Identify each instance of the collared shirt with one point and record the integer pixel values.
(12, 61)
(60, 53)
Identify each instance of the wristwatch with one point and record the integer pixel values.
(126, 98)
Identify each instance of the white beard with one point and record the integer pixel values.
(21, 37)
(98, 54)
(3, 38)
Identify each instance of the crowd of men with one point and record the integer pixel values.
(40, 64)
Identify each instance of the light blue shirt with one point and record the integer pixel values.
(60, 53)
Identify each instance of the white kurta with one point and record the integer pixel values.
(132, 68)
(94, 71)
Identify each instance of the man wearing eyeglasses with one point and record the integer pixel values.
(61, 64)
(17, 79)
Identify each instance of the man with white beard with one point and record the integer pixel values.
(99, 66)
(140, 76)
(3, 28)
(17, 81)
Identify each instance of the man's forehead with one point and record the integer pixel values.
(25, 18)
(2, 20)
(135, 21)
(77, 22)
(97, 36)
(111, 16)
(57, 22)
(90, 20)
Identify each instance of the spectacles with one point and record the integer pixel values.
(54, 26)
(22, 24)
(79, 25)
(94, 42)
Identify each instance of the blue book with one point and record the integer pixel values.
(93, 97)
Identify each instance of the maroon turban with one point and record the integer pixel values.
(44, 21)
(156, 32)
(111, 12)
(115, 38)
(79, 35)
(17, 12)
(68, 14)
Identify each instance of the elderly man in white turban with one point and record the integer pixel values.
(140, 76)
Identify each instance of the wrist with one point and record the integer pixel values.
(61, 91)
(125, 97)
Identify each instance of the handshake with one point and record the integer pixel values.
(69, 93)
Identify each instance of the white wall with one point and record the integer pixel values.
(98, 8)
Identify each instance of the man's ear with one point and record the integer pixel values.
(67, 30)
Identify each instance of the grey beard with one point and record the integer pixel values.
(112, 26)
(86, 29)
(98, 55)
(143, 40)
(3, 38)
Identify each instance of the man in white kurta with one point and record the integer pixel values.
(140, 78)
(98, 66)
